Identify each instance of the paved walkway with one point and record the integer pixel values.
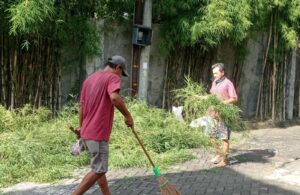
(267, 161)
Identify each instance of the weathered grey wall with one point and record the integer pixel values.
(156, 70)
(116, 40)
(250, 79)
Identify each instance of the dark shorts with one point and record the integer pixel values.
(99, 155)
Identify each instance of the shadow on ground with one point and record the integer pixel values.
(215, 181)
(251, 155)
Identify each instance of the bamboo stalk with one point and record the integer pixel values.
(12, 64)
(165, 86)
(37, 93)
(263, 69)
(284, 85)
(274, 71)
(59, 89)
(299, 102)
(267, 90)
(50, 96)
(280, 88)
(3, 75)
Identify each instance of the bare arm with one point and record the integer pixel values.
(118, 102)
(230, 101)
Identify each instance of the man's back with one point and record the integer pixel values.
(98, 111)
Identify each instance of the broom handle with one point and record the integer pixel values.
(142, 145)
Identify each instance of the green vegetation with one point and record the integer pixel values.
(196, 101)
(208, 23)
(36, 148)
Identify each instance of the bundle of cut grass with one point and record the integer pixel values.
(196, 101)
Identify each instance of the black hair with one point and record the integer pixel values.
(112, 65)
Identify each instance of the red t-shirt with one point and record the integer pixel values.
(98, 110)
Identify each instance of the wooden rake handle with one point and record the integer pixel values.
(142, 145)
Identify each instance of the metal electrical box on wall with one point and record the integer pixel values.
(141, 35)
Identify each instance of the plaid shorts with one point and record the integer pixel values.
(221, 131)
(99, 155)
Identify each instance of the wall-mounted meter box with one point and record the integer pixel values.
(141, 35)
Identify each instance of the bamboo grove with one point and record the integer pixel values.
(33, 36)
(29, 76)
(275, 65)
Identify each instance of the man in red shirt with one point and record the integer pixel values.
(99, 96)
(223, 88)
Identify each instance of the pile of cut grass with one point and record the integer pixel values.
(162, 134)
(35, 148)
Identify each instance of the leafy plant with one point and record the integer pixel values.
(28, 16)
(223, 19)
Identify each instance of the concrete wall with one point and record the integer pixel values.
(250, 79)
(116, 40)
(156, 70)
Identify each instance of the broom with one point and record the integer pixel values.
(165, 187)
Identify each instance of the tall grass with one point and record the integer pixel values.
(34, 147)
